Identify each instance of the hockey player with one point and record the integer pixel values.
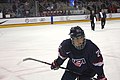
(84, 57)
(92, 19)
(102, 16)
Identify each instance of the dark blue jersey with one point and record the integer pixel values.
(86, 61)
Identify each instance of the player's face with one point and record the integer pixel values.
(78, 41)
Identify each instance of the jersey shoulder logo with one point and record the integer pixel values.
(68, 52)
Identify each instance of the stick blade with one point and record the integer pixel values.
(27, 59)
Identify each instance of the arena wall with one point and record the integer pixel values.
(36, 21)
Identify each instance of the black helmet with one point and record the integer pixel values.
(76, 32)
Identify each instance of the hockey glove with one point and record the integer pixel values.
(55, 65)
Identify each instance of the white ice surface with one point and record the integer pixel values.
(41, 42)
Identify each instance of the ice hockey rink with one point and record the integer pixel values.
(42, 42)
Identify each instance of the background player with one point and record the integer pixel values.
(93, 19)
(102, 16)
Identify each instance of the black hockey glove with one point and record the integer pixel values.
(55, 65)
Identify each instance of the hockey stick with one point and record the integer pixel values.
(3, 22)
(26, 59)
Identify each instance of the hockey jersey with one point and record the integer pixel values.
(87, 61)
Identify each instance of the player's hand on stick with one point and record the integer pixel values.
(55, 65)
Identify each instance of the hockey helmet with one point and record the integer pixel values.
(76, 32)
(77, 37)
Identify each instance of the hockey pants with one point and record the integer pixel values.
(70, 76)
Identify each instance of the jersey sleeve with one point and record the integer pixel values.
(96, 61)
(62, 53)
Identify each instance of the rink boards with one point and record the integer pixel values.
(36, 21)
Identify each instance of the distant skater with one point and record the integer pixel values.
(92, 20)
(102, 16)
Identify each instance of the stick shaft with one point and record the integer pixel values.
(3, 22)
